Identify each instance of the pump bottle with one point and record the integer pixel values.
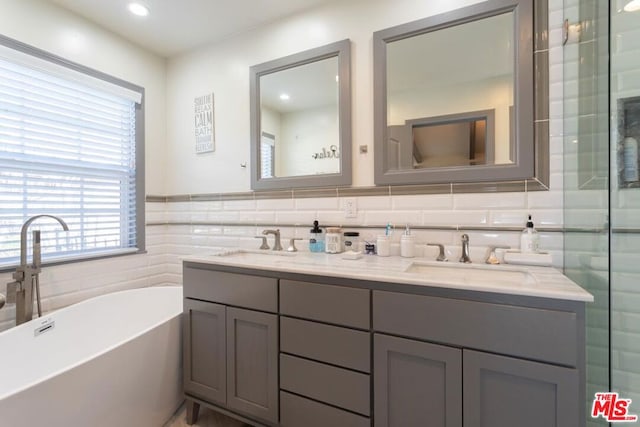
(529, 239)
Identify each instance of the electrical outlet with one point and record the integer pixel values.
(350, 207)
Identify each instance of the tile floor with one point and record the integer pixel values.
(207, 418)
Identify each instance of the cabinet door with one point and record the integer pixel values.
(416, 383)
(252, 358)
(205, 368)
(502, 391)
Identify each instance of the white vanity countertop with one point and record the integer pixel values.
(545, 282)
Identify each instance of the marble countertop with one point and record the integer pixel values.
(544, 282)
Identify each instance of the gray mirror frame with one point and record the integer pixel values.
(341, 50)
(531, 153)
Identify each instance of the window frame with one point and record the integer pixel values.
(140, 246)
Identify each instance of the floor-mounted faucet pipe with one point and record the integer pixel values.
(26, 276)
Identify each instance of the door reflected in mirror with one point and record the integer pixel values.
(444, 141)
(300, 119)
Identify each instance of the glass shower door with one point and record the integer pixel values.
(585, 136)
(625, 201)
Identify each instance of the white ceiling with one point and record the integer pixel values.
(176, 26)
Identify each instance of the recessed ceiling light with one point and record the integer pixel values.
(284, 97)
(138, 9)
(632, 6)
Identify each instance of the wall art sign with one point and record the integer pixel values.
(204, 123)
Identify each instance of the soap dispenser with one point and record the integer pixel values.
(316, 238)
(529, 239)
(407, 244)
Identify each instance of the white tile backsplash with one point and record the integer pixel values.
(315, 204)
(422, 202)
(489, 201)
(275, 204)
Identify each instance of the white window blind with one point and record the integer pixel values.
(66, 149)
(267, 154)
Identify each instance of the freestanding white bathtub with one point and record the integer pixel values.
(113, 360)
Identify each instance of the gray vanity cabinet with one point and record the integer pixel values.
(511, 365)
(205, 358)
(231, 343)
(325, 355)
(252, 365)
(503, 391)
(287, 350)
(416, 383)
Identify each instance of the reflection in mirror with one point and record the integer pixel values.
(482, 79)
(299, 110)
(300, 113)
(454, 96)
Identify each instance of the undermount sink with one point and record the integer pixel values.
(469, 274)
(252, 252)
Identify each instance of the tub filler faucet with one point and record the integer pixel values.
(26, 276)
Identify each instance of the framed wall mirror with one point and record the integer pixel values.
(454, 98)
(301, 119)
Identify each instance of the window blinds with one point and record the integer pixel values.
(66, 149)
(267, 154)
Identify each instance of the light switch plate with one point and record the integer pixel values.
(350, 207)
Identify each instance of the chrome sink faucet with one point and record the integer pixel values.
(277, 246)
(465, 249)
(26, 276)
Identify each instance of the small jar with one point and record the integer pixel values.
(333, 242)
(351, 241)
(383, 245)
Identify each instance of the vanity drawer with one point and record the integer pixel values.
(242, 290)
(296, 411)
(326, 343)
(540, 334)
(336, 386)
(327, 303)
